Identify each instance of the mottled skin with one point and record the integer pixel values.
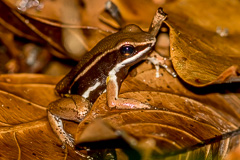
(101, 69)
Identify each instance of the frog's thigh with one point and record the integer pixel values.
(72, 108)
(121, 103)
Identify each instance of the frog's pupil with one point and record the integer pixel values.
(127, 50)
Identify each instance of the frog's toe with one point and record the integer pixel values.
(69, 140)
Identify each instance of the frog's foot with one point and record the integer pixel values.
(164, 62)
(121, 103)
(68, 140)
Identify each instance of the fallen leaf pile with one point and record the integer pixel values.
(194, 116)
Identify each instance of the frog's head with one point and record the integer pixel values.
(127, 47)
(134, 44)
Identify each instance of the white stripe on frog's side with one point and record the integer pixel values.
(97, 59)
(90, 89)
(112, 73)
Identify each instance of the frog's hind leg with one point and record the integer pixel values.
(57, 126)
(72, 108)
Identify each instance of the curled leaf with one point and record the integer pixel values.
(199, 54)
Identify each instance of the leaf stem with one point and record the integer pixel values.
(157, 21)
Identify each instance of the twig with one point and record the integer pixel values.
(156, 24)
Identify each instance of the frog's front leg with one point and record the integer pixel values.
(121, 103)
(74, 108)
(164, 62)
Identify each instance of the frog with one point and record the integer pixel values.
(101, 70)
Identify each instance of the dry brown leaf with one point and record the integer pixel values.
(70, 40)
(24, 128)
(15, 25)
(31, 78)
(147, 147)
(32, 140)
(177, 114)
(24, 103)
(25, 57)
(46, 9)
(173, 128)
(24, 100)
(203, 40)
(138, 12)
(199, 54)
(30, 89)
(145, 80)
(77, 12)
(181, 118)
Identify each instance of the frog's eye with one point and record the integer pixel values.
(127, 50)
